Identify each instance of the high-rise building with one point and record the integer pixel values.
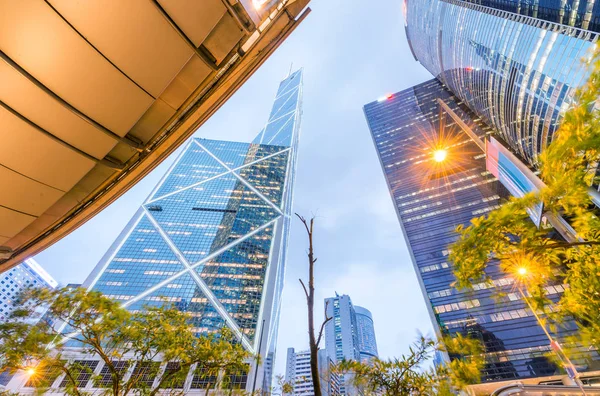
(298, 374)
(367, 343)
(518, 73)
(342, 337)
(341, 332)
(211, 239)
(14, 281)
(432, 198)
(583, 14)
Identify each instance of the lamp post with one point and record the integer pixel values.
(555, 345)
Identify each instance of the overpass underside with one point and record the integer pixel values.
(95, 94)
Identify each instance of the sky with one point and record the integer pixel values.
(352, 52)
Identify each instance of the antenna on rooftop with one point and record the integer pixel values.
(290, 72)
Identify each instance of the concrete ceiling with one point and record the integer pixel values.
(94, 94)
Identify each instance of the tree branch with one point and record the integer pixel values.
(304, 287)
(321, 330)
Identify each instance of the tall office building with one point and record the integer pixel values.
(519, 73)
(367, 343)
(432, 198)
(583, 14)
(341, 332)
(212, 238)
(298, 374)
(14, 281)
(343, 337)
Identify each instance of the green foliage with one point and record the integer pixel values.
(104, 329)
(567, 167)
(408, 376)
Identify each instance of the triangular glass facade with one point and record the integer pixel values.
(211, 238)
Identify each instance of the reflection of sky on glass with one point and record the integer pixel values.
(352, 53)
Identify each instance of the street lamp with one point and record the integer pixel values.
(522, 272)
(440, 155)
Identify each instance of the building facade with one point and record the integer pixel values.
(341, 332)
(341, 336)
(298, 374)
(212, 238)
(513, 67)
(432, 198)
(583, 14)
(367, 342)
(14, 281)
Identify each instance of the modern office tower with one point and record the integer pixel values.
(212, 237)
(367, 343)
(341, 332)
(341, 336)
(583, 14)
(297, 373)
(432, 198)
(518, 73)
(12, 282)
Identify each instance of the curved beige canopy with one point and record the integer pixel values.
(94, 94)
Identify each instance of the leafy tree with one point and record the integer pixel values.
(536, 257)
(408, 376)
(121, 339)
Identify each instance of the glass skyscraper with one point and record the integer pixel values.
(367, 342)
(432, 198)
(518, 72)
(211, 239)
(14, 281)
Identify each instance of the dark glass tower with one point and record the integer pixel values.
(431, 199)
(212, 236)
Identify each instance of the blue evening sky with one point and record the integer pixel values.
(352, 51)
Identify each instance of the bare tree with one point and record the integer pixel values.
(310, 302)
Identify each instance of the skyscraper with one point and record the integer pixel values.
(298, 374)
(432, 198)
(518, 73)
(341, 332)
(367, 343)
(14, 281)
(583, 14)
(211, 238)
(342, 337)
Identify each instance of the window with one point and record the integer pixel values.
(202, 379)
(237, 379)
(176, 376)
(105, 376)
(82, 371)
(145, 373)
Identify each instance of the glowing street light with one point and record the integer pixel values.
(567, 364)
(440, 155)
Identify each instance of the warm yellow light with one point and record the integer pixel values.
(258, 4)
(522, 271)
(440, 155)
(30, 371)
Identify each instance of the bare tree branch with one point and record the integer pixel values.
(304, 287)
